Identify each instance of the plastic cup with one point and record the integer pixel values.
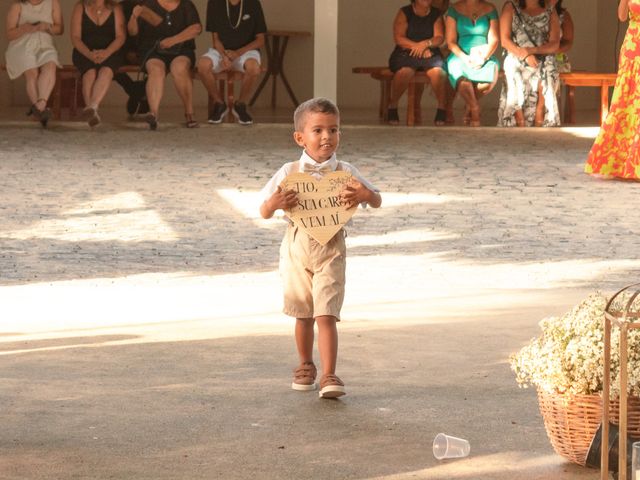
(446, 446)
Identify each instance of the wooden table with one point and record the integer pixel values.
(587, 79)
(276, 45)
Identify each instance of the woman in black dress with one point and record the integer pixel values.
(418, 31)
(97, 34)
(166, 31)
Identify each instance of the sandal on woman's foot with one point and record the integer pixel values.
(190, 123)
(392, 116)
(466, 119)
(474, 117)
(152, 120)
(90, 115)
(44, 116)
(450, 119)
(441, 117)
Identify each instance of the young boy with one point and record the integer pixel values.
(313, 274)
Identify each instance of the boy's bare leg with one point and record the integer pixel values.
(327, 343)
(304, 339)
(330, 385)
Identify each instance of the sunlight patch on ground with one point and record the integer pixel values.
(120, 201)
(381, 290)
(582, 132)
(398, 237)
(102, 220)
(507, 465)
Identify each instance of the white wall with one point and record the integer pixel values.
(364, 38)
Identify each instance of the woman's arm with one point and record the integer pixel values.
(506, 19)
(13, 30)
(121, 34)
(452, 38)
(57, 27)
(553, 44)
(133, 27)
(76, 31)
(566, 42)
(623, 10)
(493, 38)
(189, 33)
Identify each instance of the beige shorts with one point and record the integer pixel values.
(313, 274)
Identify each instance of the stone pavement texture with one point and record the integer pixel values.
(140, 333)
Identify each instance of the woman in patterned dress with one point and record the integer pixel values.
(615, 150)
(530, 32)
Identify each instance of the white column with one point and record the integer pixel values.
(325, 46)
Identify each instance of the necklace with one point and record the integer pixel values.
(239, 15)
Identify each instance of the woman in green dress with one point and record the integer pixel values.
(472, 36)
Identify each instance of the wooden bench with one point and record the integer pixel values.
(67, 92)
(570, 80)
(586, 79)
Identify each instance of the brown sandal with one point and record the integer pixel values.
(190, 123)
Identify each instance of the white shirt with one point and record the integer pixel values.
(315, 169)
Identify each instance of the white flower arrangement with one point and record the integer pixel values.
(568, 356)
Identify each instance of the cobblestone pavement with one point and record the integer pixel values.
(140, 333)
(485, 195)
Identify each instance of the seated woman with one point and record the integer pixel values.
(97, 33)
(530, 33)
(472, 37)
(30, 27)
(418, 31)
(566, 35)
(168, 46)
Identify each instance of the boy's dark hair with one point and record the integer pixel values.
(315, 105)
(559, 8)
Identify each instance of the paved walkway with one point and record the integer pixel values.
(140, 333)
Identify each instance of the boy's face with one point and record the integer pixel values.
(320, 135)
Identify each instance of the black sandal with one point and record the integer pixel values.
(441, 117)
(392, 116)
(152, 120)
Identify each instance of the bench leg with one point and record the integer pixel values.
(604, 103)
(570, 105)
(230, 98)
(411, 102)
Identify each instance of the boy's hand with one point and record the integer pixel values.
(283, 199)
(353, 194)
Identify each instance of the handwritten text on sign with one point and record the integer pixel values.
(319, 211)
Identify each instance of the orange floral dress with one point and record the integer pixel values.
(615, 150)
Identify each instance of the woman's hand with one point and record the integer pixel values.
(99, 56)
(419, 48)
(166, 43)
(532, 61)
(137, 10)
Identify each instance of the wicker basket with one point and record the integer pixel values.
(571, 421)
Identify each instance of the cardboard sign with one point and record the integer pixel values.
(319, 211)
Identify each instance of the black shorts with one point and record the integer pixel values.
(168, 58)
(401, 58)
